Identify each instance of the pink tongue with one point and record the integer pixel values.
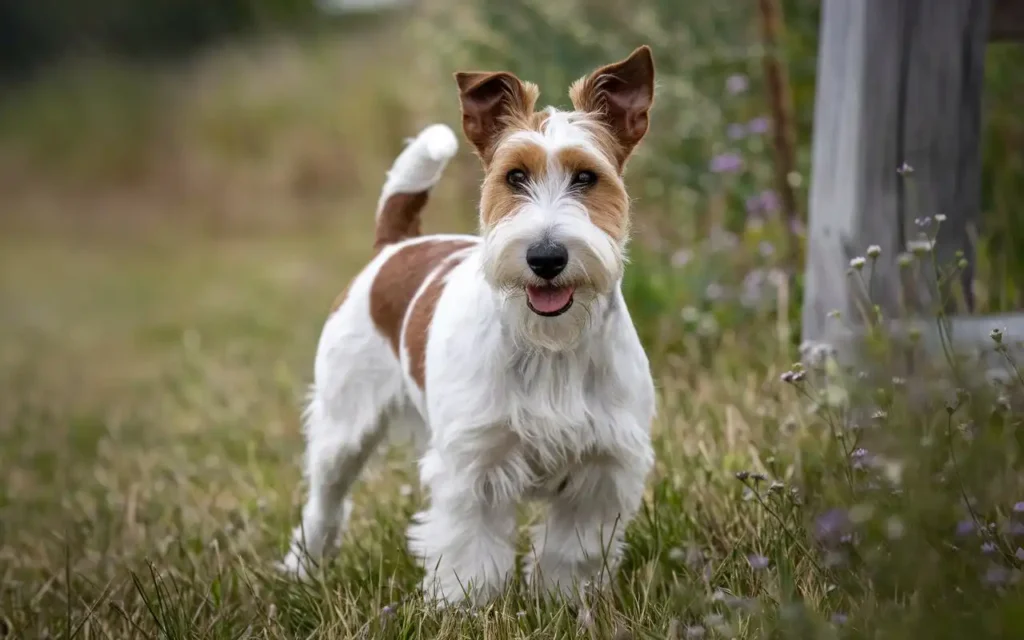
(548, 299)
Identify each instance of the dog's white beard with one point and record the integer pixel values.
(559, 333)
(595, 260)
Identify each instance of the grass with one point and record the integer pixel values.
(150, 446)
(157, 329)
(151, 449)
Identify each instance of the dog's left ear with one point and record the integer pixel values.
(491, 102)
(622, 94)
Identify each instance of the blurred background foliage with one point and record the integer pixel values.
(95, 101)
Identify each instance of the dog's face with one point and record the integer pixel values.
(553, 208)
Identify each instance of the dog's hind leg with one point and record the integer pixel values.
(334, 458)
(358, 385)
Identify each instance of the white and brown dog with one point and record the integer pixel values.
(514, 348)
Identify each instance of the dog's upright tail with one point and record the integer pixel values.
(415, 171)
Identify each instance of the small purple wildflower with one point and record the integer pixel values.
(964, 528)
(1017, 528)
(387, 610)
(1019, 507)
(757, 562)
(832, 524)
(862, 458)
(758, 125)
(728, 162)
(839, 618)
(753, 205)
(681, 258)
(736, 84)
(769, 201)
(996, 575)
(988, 547)
(1019, 554)
(736, 131)
(766, 249)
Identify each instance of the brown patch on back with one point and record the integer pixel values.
(399, 218)
(398, 280)
(420, 317)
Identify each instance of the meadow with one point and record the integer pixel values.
(171, 241)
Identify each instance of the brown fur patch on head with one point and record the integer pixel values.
(400, 277)
(620, 95)
(606, 200)
(498, 199)
(420, 317)
(492, 103)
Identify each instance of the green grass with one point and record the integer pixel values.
(150, 448)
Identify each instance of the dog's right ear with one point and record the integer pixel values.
(491, 102)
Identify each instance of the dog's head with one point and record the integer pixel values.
(553, 208)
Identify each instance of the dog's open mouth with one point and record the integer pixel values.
(549, 301)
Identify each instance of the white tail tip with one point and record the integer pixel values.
(419, 166)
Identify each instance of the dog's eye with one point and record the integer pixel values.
(584, 178)
(516, 178)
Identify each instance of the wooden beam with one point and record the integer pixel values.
(1007, 21)
(898, 81)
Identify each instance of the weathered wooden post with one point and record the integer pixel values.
(899, 81)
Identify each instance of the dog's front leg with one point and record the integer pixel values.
(465, 538)
(581, 538)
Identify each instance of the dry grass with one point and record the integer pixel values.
(149, 439)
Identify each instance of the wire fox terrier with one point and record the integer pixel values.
(514, 348)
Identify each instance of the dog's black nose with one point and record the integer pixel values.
(547, 259)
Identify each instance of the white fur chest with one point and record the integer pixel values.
(520, 419)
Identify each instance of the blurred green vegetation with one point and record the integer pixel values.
(33, 34)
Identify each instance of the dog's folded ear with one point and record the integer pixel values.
(621, 94)
(492, 102)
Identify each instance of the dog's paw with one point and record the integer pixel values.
(296, 566)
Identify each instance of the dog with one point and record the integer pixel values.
(513, 348)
